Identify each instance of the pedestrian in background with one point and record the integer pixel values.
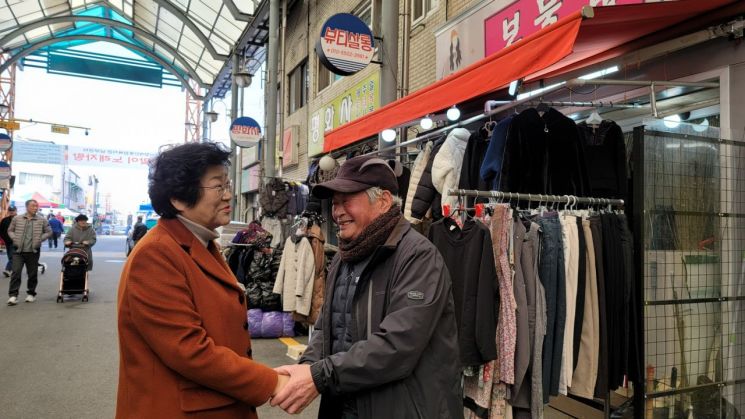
(4, 224)
(83, 236)
(27, 231)
(139, 230)
(57, 230)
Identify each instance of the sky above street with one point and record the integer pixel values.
(120, 116)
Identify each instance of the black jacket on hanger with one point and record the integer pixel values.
(470, 177)
(544, 155)
(605, 155)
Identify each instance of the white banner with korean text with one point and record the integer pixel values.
(107, 158)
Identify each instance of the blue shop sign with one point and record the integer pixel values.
(346, 44)
(245, 132)
(5, 142)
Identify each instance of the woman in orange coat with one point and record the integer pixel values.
(184, 346)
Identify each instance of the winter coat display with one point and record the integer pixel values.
(404, 296)
(271, 324)
(416, 175)
(491, 167)
(544, 155)
(274, 198)
(470, 176)
(425, 194)
(317, 242)
(79, 235)
(295, 277)
(183, 336)
(446, 166)
(259, 281)
(605, 155)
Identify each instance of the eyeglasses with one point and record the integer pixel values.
(221, 189)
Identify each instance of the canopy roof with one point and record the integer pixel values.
(193, 39)
(583, 38)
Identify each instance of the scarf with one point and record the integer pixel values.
(374, 235)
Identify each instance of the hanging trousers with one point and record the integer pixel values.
(552, 276)
(571, 264)
(601, 384)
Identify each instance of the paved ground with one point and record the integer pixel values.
(61, 360)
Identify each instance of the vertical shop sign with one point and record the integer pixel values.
(525, 17)
(289, 146)
(361, 99)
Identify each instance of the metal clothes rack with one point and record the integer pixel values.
(564, 199)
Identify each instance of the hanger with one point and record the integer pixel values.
(594, 119)
(542, 108)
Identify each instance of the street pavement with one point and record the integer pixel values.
(61, 360)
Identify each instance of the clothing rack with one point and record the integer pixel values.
(489, 104)
(566, 199)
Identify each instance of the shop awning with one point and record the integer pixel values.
(571, 43)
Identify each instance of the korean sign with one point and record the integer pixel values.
(5, 142)
(245, 132)
(88, 156)
(525, 17)
(361, 99)
(346, 44)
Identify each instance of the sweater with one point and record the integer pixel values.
(447, 164)
(295, 276)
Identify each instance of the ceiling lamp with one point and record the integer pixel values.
(212, 115)
(243, 78)
(453, 113)
(388, 135)
(426, 122)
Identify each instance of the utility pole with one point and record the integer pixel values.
(270, 90)
(389, 58)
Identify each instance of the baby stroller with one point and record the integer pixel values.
(74, 275)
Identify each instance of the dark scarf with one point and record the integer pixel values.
(371, 237)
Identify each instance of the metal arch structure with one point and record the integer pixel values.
(191, 25)
(51, 41)
(237, 14)
(108, 23)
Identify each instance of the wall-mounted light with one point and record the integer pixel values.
(514, 86)
(389, 135)
(453, 113)
(212, 115)
(426, 122)
(327, 163)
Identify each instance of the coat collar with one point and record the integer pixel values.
(209, 259)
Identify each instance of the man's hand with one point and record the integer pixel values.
(299, 391)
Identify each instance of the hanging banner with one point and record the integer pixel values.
(346, 44)
(289, 146)
(5, 143)
(4, 171)
(361, 99)
(245, 132)
(88, 156)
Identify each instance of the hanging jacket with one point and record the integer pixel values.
(605, 156)
(426, 196)
(295, 277)
(470, 176)
(544, 155)
(274, 198)
(447, 164)
(491, 167)
(416, 175)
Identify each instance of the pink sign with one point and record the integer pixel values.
(525, 17)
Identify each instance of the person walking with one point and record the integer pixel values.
(386, 341)
(82, 236)
(4, 224)
(27, 231)
(57, 230)
(139, 230)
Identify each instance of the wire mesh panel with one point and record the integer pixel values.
(693, 241)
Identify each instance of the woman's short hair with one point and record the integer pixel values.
(81, 217)
(176, 173)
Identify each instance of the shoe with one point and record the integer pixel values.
(12, 300)
(7, 273)
(30, 298)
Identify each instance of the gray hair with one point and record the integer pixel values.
(374, 193)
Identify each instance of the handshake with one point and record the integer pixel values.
(295, 388)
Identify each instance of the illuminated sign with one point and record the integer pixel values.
(346, 44)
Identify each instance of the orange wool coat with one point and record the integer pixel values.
(184, 346)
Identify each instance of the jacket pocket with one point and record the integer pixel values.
(195, 398)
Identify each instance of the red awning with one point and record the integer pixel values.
(569, 44)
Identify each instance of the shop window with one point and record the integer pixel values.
(326, 77)
(421, 8)
(298, 83)
(364, 11)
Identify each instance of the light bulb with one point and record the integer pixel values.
(671, 121)
(703, 126)
(453, 113)
(389, 135)
(327, 163)
(426, 122)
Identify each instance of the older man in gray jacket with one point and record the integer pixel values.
(28, 231)
(385, 345)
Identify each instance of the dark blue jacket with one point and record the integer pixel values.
(56, 226)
